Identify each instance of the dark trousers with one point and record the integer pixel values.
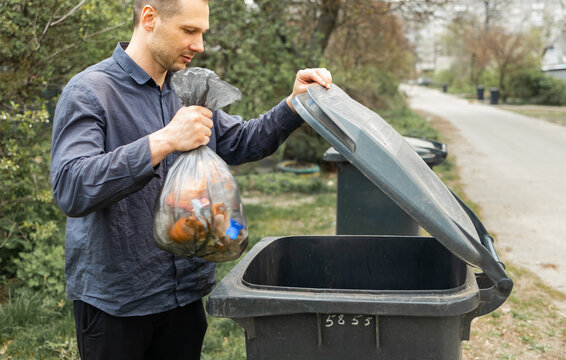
(174, 334)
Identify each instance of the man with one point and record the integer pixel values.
(118, 128)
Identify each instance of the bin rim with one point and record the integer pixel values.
(380, 153)
(232, 297)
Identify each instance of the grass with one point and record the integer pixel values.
(554, 114)
(527, 326)
(37, 326)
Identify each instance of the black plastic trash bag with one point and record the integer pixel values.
(199, 210)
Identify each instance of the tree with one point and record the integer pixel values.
(44, 42)
(331, 15)
(507, 50)
(465, 39)
(370, 57)
(490, 53)
(362, 42)
(261, 44)
(254, 48)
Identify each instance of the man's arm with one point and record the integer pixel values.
(239, 141)
(85, 177)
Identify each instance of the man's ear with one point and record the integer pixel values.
(148, 17)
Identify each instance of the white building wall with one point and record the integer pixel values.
(515, 15)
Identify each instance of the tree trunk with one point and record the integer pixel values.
(326, 24)
(502, 91)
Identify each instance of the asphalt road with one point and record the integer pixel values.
(514, 167)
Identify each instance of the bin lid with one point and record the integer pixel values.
(380, 153)
(432, 152)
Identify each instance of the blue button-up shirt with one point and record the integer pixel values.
(103, 179)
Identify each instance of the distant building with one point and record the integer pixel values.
(515, 15)
(554, 58)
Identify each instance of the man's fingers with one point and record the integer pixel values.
(320, 76)
(327, 76)
(202, 110)
(207, 122)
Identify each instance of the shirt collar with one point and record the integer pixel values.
(129, 65)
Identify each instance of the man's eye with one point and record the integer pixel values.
(189, 31)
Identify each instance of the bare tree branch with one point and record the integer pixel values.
(51, 23)
(83, 39)
(35, 32)
(7, 238)
(69, 13)
(47, 24)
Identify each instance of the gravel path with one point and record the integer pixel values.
(514, 167)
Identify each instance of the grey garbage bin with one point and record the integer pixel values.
(362, 208)
(367, 297)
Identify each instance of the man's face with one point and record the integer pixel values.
(176, 39)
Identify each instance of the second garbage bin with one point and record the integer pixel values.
(479, 92)
(493, 96)
(363, 209)
(367, 297)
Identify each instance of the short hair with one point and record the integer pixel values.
(165, 8)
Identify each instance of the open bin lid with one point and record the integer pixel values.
(380, 153)
(432, 152)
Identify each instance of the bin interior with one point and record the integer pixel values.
(338, 263)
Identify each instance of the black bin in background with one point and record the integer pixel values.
(479, 92)
(363, 208)
(367, 296)
(493, 96)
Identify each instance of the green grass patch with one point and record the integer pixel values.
(409, 123)
(37, 326)
(555, 115)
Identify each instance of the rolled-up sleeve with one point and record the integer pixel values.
(240, 141)
(84, 177)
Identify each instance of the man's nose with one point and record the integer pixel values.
(197, 45)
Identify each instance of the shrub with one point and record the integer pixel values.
(277, 183)
(305, 144)
(535, 87)
(28, 214)
(43, 269)
(407, 123)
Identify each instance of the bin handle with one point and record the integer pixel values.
(491, 295)
(490, 298)
(485, 238)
